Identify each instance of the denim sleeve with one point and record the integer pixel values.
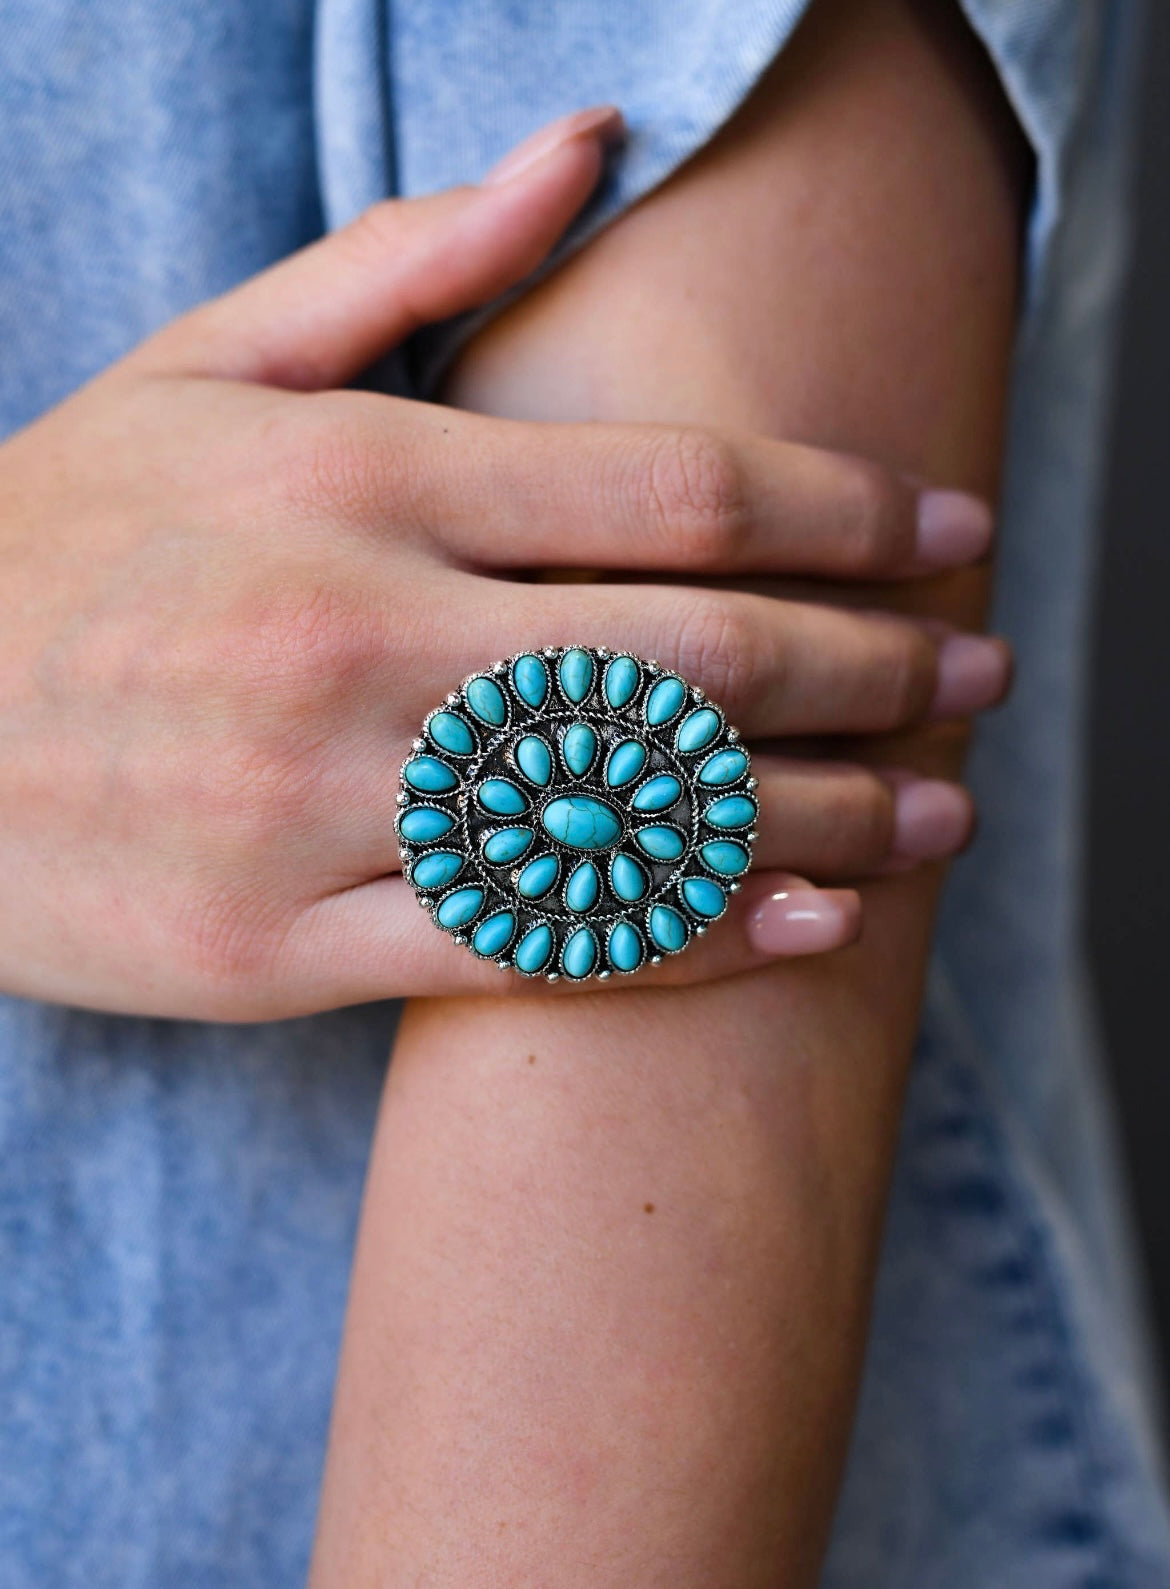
(409, 107)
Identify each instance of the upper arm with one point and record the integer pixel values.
(610, 1294)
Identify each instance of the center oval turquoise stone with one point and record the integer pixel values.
(581, 822)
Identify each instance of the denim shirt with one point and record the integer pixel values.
(178, 1201)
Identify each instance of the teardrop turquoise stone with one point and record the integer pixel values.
(581, 889)
(576, 674)
(507, 845)
(432, 871)
(530, 679)
(625, 763)
(578, 747)
(459, 907)
(486, 700)
(725, 766)
(538, 877)
(581, 822)
(430, 774)
(664, 701)
(533, 950)
(704, 897)
(579, 955)
(423, 823)
(501, 797)
(726, 858)
(667, 928)
(627, 877)
(697, 729)
(494, 934)
(534, 759)
(658, 794)
(733, 811)
(664, 844)
(621, 681)
(451, 733)
(625, 947)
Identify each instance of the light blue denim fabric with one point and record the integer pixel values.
(178, 1202)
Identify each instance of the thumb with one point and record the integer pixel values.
(321, 316)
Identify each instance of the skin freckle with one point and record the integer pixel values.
(532, 1059)
(648, 1208)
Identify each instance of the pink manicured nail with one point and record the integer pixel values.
(932, 819)
(805, 921)
(603, 122)
(953, 528)
(973, 673)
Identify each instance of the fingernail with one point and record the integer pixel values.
(953, 528)
(974, 672)
(805, 921)
(932, 819)
(603, 122)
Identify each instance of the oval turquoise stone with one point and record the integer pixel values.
(430, 774)
(538, 877)
(579, 955)
(581, 822)
(579, 747)
(625, 763)
(725, 857)
(432, 871)
(658, 794)
(507, 845)
(576, 674)
(725, 766)
(458, 908)
(451, 733)
(627, 877)
(696, 730)
(424, 823)
(534, 759)
(494, 934)
(625, 947)
(486, 700)
(733, 811)
(530, 679)
(501, 797)
(533, 950)
(704, 897)
(667, 928)
(582, 888)
(664, 844)
(664, 701)
(621, 681)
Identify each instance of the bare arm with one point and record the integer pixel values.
(614, 1267)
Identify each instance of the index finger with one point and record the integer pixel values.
(512, 494)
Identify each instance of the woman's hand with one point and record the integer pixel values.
(230, 592)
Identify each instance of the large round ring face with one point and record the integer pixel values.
(575, 812)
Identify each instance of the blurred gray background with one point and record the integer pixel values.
(1129, 776)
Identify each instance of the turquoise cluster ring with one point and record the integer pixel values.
(575, 811)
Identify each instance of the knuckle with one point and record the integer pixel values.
(863, 834)
(296, 649)
(905, 676)
(693, 495)
(335, 467)
(375, 234)
(874, 528)
(717, 648)
(230, 940)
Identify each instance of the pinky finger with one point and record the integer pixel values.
(373, 942)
